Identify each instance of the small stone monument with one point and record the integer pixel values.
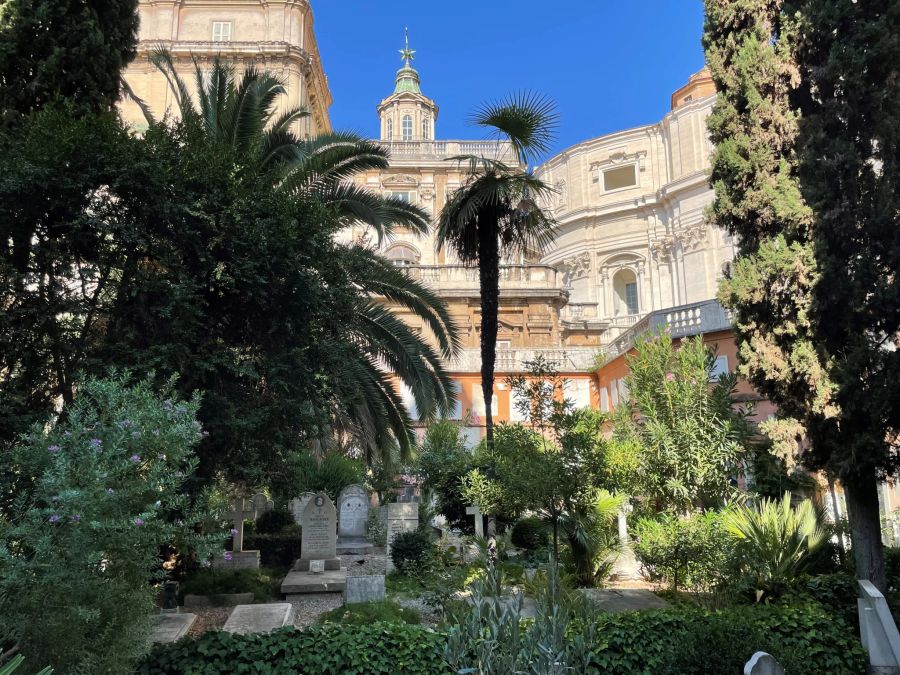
(877, 629)
(318, 541)
(369, 588)
(249, 619)
(400, 518)
(353, 509)
(298, 504)
(241, 510)
(763, 664)
(479, 519)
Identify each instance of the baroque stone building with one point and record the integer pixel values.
(274, 35)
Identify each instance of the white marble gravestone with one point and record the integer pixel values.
(298, 504)
(318, 540)
(400, 518)
(877, 629)
(353, 512)
(479, 519)
(763, 664)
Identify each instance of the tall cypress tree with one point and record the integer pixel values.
(72, 49)
(849, 54)
(754, 126)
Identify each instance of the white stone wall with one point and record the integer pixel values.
(652, 233)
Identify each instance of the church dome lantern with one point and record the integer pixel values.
(407, 115)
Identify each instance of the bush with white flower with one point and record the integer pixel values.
(80, 555)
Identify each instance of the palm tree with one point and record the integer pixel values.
(495, 214)
(378, 349)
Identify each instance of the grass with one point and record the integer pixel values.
(366, 613)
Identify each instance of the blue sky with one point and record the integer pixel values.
(608, 64)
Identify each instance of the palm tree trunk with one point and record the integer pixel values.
(489, 278)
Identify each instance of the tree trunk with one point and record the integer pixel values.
(842, 550)
(861, 492)
(489, 278)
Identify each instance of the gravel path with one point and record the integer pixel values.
(308, 608)
(209, 618)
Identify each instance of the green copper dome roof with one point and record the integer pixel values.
(407, 80)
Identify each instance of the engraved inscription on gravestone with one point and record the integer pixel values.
(354, 511)
(319, 537)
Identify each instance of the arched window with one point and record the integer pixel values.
(407, 128)
(426, 128)
(390, 129)
(402, 256)
(626, 291)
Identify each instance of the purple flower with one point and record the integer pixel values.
(167, 404)
(204, 434)
(179, 474)
(110, 491)
(233, 531)
(227, 555)
(135, 434)
(156, 432)
(67, 434)
(161, 456)
(138, 521)
(207, 563)
(54, 518)
(135, 458)
(75, 518)
(124, 424)
(54, 449)
(670, 377)
(96, 443)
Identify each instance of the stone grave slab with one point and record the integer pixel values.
(171, 627)
(247, 619)
(330, 581)
(353, 512)
(364, 589)
(401, 517)
(614, 600)
(877, 629)
(298, 504)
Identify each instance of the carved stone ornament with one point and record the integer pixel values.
(426, 194)
(401, 180)
(578, 266)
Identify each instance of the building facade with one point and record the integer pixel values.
(276, 36)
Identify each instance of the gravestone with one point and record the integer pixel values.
(247, 619)
(877, 629)
(298, 504)
(171, 627)
(241, 510)
(318, 541)
(364, 589)
(763, 664)
(479, 519)
(400, 518)
(353, 509)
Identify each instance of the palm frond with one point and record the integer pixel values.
(528, 120)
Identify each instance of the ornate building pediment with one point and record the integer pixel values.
(400, 181)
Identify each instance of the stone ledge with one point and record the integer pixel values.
(331, 581)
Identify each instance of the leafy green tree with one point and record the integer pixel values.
(443, 461)
(849, 153)
(70, 49)
(495, 214)
(691, 437)
(111, 490)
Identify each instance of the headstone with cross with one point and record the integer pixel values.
(244, 509)
(479, 519)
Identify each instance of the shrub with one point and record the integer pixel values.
(530, 534)
(375, 649)
(305, 473)
(376, 531)
(211, 582)
(691, 552)
(80, 548)
(836, 592)
(774, 539)
(280, 549)
(366, 613)
(274, 522)
(412, 552)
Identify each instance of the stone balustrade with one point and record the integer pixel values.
(401, 150)
(569, 359)
(463, 277)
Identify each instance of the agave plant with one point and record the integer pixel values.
(774, 541)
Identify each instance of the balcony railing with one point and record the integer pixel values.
(497, 150)
(684, 321)
(461, 277)
(569, 359)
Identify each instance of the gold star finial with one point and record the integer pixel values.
(407, 54)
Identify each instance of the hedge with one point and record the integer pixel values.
(804, 638)
(331, 648)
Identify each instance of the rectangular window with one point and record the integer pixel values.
(403, 196)
(614, 391)
(631, 298)
(620, 177)
(471, 436)
(578, 392)
(478, 406)
(604, 399)
(720, 367)
(221, 31)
